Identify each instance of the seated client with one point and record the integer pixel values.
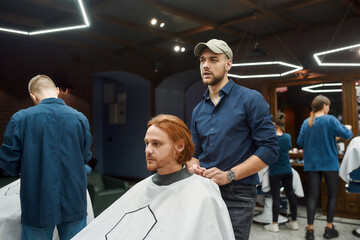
(170, 204)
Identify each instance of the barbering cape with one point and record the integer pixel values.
(10, 212)
(191, 208)
(351, 160)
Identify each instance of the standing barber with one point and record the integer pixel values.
(233, 134)
(48, 144)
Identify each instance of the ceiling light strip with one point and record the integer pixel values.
(296, 68)
(83, 13)
(332, 84)
(316, 56)
(321, 90)
(312, 90)
(254, 76)
(57, 29)
(13, 31)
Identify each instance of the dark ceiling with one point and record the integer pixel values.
(122, 27)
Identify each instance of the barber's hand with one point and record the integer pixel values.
(196, 169)
(218, 176)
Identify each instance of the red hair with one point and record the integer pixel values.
(177, 130)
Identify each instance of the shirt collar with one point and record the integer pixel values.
(52, 100)
(226, 89)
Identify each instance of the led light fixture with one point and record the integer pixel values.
(313, 88)
(295, 69)
(316, 56)
(85, 25)
(13, 31)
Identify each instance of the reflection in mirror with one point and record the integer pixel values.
(296, 104)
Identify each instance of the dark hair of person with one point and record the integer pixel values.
(279, 121)
(317, 105)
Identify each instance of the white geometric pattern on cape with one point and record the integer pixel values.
(191, 208)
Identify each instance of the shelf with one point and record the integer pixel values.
(294, 164)
(301, 155)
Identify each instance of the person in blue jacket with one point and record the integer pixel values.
(318, 138)
(48, 145)
(280, 172)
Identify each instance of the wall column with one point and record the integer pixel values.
(349, 104)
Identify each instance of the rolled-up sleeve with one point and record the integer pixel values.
(263, 130)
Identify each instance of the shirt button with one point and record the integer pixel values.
(212, 129)
(213, 115)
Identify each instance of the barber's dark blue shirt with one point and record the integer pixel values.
(48, 145)
(239, 126)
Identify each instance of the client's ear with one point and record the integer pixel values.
(179, 146)
(34, 98)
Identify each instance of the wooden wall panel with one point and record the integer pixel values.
(349, 101)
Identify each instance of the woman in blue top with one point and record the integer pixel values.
(280, 172)
(318, 138)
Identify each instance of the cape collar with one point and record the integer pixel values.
(163, 180)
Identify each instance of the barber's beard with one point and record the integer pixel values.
(216, 80)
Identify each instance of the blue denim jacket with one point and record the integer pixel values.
(48, 145)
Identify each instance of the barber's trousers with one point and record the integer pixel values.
(240, 201)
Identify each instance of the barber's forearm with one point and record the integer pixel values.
(251, 166)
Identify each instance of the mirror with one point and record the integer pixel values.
(296, 104)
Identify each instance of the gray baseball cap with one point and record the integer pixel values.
(215, 45)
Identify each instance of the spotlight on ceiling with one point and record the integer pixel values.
(153, 21)
(182, 49)
(177, 48)
(162, 24)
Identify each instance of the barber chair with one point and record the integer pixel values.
(354, 184)
(104, 190)
(354, 187)
(266, 216)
